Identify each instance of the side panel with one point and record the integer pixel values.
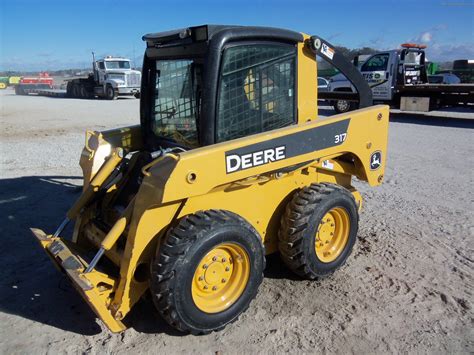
(262, 203)
(201, 170)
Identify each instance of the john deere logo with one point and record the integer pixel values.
(375, 160)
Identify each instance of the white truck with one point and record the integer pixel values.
(111, 77)
(399, 78)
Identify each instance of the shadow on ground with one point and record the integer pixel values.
(432, 120)
(418, 119)
(30, 285)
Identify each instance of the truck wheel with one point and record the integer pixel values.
(110, 93)
(137, 95)
(318, 230)
(69, 88)
(342, 106)
(206, 271)
(19, 90)
(76, 92)
(83, 92)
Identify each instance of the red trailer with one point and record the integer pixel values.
(29, 85)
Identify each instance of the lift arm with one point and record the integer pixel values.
(328, 52)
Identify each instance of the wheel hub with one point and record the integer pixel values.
(220, 278)
(332, 235)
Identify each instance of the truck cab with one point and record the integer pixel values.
(116, 72)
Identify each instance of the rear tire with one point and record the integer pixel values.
(76, 91)
(318, 230)
(69, 90)
(206, 271)
(19, 90)
(83, 92)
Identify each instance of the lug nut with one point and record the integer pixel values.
(205, 287)
(201, 278)
(332, 224)
(227, 268)
(205, 266)
(214, 288)
(224, 281)
(224, 260)
(214, 258)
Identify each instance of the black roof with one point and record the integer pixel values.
(208, 32)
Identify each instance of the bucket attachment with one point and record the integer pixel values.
(95, 287)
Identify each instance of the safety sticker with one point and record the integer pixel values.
(327, 51)
(328, 165)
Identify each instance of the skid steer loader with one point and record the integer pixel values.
(230, 162)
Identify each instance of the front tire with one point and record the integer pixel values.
(206, 271)
(343, 106)
(110, 93)
(318, 230)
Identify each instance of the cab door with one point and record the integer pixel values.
(101, 71)
(376, 70)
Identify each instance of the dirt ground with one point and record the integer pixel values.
(407, 287)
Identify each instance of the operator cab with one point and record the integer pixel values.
(210, 84)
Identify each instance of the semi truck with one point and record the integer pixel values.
(111, 77)
(398, 77)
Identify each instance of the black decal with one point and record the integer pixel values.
(375, 160)
(288, 146)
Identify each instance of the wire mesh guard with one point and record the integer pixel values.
(256, 90)
(175, 101)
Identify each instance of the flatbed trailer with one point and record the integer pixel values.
(45, 92)
(440, 94)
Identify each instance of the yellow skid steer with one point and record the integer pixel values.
(230, 162)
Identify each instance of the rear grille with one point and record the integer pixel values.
(133, 79)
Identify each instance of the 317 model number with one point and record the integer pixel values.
(339, 138)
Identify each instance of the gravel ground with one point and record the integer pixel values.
(408, 286)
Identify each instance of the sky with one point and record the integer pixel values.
(37, 35)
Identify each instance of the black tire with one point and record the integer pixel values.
(69, 90)
(137, 95)
(19, 90)
(343, 106)
(84, 93)
(180, 253)
(76, 91)
(300, 223)
(110, 93)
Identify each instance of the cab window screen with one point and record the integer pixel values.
(256, 91)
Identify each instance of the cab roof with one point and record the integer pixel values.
(206, 33)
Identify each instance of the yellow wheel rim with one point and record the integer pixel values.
(220, 278)
(332, 235)
(3, 86)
